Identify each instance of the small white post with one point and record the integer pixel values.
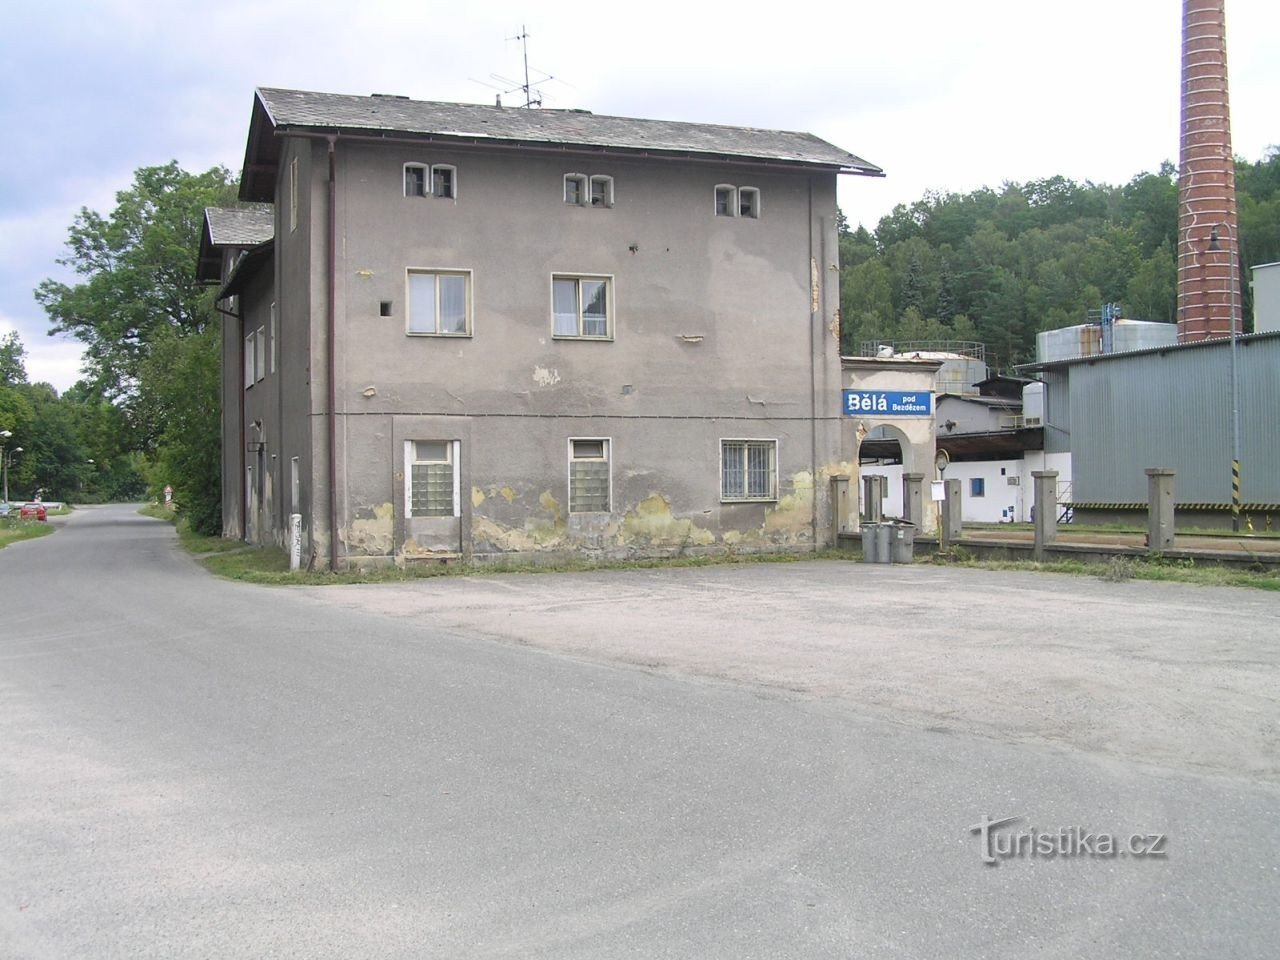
(295, 541)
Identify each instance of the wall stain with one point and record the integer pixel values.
(371, 535)
(652, 522)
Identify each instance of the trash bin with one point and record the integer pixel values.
(902, 545)
(870, 551)
(883, 541)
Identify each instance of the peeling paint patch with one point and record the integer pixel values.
(477, 496)
(653, 522)
(371, 535)
(544, 377)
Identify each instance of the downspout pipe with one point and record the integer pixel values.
(814, 309)
(331, 327)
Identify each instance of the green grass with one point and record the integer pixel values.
(1126, 568)
(270, 565)
(13, 529)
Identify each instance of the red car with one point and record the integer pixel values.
(33, 511)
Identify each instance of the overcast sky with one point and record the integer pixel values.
(942, 95)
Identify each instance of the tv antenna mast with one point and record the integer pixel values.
(532, 95)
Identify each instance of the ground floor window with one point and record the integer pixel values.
(748, 469)
(589, 478)
(433, 476)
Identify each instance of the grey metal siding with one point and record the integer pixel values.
(1173, 409)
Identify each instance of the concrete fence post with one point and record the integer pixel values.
(913, 499)
(1160, 508)
(1046, 507)
(839, 508)
(873, 498)
(952, 525)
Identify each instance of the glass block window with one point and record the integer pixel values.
(748, 470)
(431, 478)
(588, 476)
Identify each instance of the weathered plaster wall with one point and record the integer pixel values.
(721, 328)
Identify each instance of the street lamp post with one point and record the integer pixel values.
(4, 461)
(1235, 386)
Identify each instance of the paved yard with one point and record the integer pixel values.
(1177, 675)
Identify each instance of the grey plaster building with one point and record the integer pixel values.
(477, 331)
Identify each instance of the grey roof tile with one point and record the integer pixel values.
(239, 226)
(297, 108)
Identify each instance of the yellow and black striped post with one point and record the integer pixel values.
(1235, 496)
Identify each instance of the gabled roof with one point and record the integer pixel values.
(231, 227)
(280, 111)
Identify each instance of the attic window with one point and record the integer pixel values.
(415, 180)
(724, 200)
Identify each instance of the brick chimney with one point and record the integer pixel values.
(1206, 179)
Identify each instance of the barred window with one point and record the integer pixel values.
(748, 470)
(589, 476)
(431, 478)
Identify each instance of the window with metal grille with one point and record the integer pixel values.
(581, 306)
(589, 476)
(439, 303)
(431, 478)
(748, 470)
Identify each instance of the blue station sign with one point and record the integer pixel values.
(887, 403)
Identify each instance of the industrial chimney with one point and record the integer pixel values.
(1207, 231)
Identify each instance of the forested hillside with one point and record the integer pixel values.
(1001, 265)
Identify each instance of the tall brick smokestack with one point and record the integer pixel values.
(1206, 179)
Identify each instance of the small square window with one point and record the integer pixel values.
(749, 470)
(977, 487)
(602, 191)
(748, 202)
(582, 307)
(415, 180)
(432, 478)
(724, 201)
(589, 477)
(442, 181)
(575, 189)
(440, 303)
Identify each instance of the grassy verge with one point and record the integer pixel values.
(13, 529)
(194, 542)
(1125, 568)
(271, 565)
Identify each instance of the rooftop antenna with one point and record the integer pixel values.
(532, 95)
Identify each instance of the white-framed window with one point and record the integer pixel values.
(250, 348)
(582, 307)
(275, 339)
(602, 191)
(431, 180)
(293, 194)
(749, 202)
(260, 355)
(444, 181)
(590, 475)
(725, 200)
(575, 189)
(748, 469)
(431, 467)
(416, 176)
(439, 303)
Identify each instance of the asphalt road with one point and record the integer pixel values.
(196, 768)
